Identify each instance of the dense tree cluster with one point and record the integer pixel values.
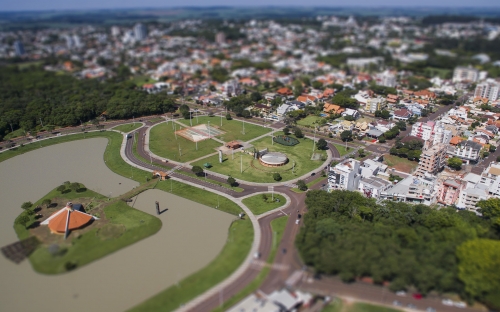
(30, 95)
(348, 234)
(411, 149)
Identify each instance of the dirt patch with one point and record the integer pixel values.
(400, 164)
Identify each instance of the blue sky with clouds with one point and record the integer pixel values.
(28, 5)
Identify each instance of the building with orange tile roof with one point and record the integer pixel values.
(284, 91)
(67, 219)
(333, 109)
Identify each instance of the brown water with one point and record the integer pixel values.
(191, 236)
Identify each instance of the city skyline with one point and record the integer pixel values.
(59, 5)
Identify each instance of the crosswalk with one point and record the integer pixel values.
(175, 169)
(291, 185)
(275, 266)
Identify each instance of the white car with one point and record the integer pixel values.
(447, 302)
(401, 293)
(460, 304)
(297, 221)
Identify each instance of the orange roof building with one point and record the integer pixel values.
(67, 219)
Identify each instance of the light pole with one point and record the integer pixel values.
(150, 158)
(170, 184)
(175, 129)
(243, 127)
(180, 151)
(314, 140)
(221, 119)
(241, 163)
(209, 129)
(190, 119)
(272, 137)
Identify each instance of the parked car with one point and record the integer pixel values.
(397, 303)
(459, 304)
(430, 309)
(297, 221)
(401, 293)
(411, 306)
(256, 255)
(447, 302)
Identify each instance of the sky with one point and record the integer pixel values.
(36, 5)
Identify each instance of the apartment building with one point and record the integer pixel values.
(449, 192)
(432, 160)
(470, 197)
(463, 74)
(373, 105)
(345, 175)
(468, 151)
(491, 178)
(489, 89)
(413, 189)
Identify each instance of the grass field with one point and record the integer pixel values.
(309, 121)
(141, 80)
(342, 150)
(278, 226)
(90, 246)
(258, 205)
(338, 305)
(400, 164)
(128, 127)
(232, 255)
(200, 196)
(233, 128)
(300, 154)
(163, 142)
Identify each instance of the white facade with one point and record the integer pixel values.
(465, 74)
(425, 131)
(489, 89)
(373, 105)
(468, 151)
(491, 178)
(470, 197)
(345, 175)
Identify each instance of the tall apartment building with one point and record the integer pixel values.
(432, 160)
(220, 38)
(431, 131)
(470, 197)
(19, 48)
(461, 74)
(345, 175)
(386, 79)
(489, 89)
(140, 32)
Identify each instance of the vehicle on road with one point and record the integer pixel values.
(129, 136)
(256, 255)
(411, 306)
(397, 303)
(460, 304)
(297, 221)
(313, 174)
(284, 250)
(417, 296)
(430, 309)
(401, 293)
(447, 302)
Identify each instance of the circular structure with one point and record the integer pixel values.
(273, 159)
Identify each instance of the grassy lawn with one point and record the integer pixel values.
(199, 195)
(342, 150)
(15, 134)
(400, 164)
(258, 205)
(163, 142)
(300, 154)
(233, 128)
(232, 255)
(128, 127)
(278, 226)
(309, 121)
(141, 80)
(91, 245)
(309, 185)
(338, 305)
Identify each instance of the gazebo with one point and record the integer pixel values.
(67, 219)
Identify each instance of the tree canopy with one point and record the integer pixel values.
(348, 234)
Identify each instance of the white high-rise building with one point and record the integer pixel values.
(345, 175)
(140, 32)
(433, 131)
(461, 74)
(19, 48)
(115, 31)
(489, 89)
(386, 79)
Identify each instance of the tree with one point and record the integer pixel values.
(381, 139)
(302, 185)
(46, 202)
(322, 144)
(26, 205)
(317, 84)
(479, 269)
(286, 131)
(490, 209)
(228, 116)
(74, 186)
(256, 96)
(23, 220)
(401, 125)
(492, 148)
(61, 188)
(346, 135)
(361, 153)
(455, 163)
(298, 133)
(197, 170)
(276, 176)
(264, 197)
(212, 88)
(297, 88)
(231, 181)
